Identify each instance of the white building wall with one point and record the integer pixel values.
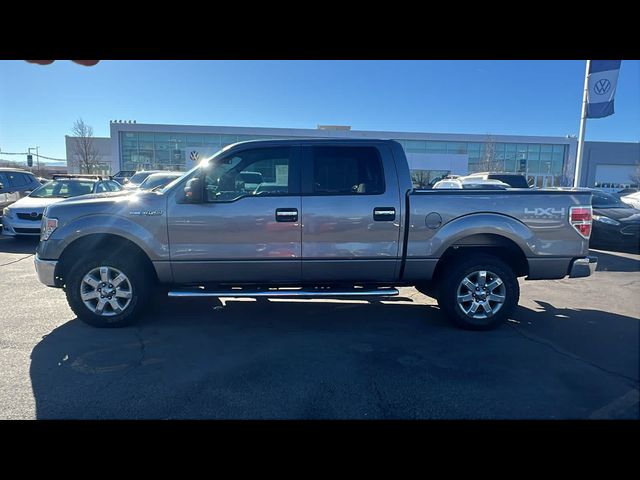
(104, 147)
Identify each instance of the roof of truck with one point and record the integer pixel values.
(295, 141)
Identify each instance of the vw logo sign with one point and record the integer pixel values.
(602, 86)
(194, 156)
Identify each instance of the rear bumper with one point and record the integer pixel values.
(558, 268)
(583, 267)
(46, 270)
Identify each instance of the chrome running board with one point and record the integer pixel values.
(287, 293)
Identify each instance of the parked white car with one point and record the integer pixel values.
(23, 217)
(633, 200)
(471, 183)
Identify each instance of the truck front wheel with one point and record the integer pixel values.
(479, 292)
(109, 292)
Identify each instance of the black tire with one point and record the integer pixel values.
(456, 273)
(138, 275)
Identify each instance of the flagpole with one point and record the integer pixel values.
(583, 124)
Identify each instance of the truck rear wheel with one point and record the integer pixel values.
(479, 292)
(108, 292)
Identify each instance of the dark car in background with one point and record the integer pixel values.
(136, 180)
(626, 191)
(14, 185)
(615, 223)
(123, 176)
(159, 180)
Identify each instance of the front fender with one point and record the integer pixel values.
(148, 233)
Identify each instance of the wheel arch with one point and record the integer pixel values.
(112, 243)
(491, 244)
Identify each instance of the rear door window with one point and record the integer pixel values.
(347, 171)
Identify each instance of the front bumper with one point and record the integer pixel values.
(46, 270)
(583, 267)
(15, 226)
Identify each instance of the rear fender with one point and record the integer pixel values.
(457, 230)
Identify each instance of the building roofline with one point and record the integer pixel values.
(310, 132)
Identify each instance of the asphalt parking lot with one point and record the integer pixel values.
(571, 351)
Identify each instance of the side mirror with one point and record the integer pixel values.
(193, 191)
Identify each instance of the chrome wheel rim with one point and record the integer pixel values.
(481, 294)
(106, 291)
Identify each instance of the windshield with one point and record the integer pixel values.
(205, 163)
(606, 200)
(63, 189)
(153, 181)
(139, 177)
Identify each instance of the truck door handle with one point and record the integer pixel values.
(286, 214)
(384, 214)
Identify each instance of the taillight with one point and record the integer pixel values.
(580, 218)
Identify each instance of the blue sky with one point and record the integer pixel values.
(38, 104)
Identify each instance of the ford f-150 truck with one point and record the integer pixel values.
(339, 218)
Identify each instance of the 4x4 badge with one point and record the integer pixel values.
(146, 212)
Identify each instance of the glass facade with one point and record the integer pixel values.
(543, 164)
(166, 151)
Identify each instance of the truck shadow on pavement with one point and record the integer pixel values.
(26, 245)
(194, 358)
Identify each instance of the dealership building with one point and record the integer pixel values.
(546, 161)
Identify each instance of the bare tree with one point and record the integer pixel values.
(489, 162)
(420, 178)
(85, 149)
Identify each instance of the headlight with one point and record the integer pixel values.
(6, 212)
(607, 220)
(47, 227)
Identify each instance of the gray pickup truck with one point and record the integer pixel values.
(330, 219)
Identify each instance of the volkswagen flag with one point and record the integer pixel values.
(603, 77)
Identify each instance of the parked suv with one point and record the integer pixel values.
(15, 184)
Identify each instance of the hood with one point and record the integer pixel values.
(33, 203)
(109, 203)
(120, 193)
(622, 215)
